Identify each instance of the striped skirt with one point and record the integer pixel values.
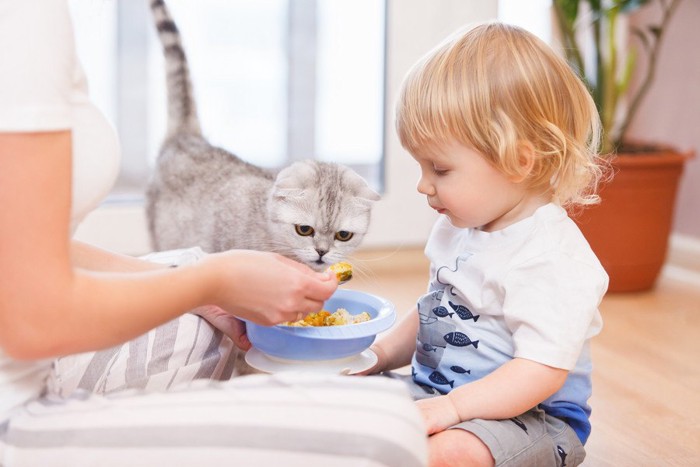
(172, 398)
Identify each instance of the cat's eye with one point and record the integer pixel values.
(305, 230)
(343, 236)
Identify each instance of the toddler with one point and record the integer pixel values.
(506, 137)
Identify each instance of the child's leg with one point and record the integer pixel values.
(454, 448)
(531, 439)
(304, 420)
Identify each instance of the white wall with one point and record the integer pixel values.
(402, 218)
(670, 112)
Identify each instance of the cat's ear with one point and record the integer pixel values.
(365, 197)
(287, 183)
(368, 194)
(293, 175)
(361, 189)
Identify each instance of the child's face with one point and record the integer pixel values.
(460, 183)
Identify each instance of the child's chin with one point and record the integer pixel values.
(455, 222)
(458, 223)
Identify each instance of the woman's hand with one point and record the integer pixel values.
(267, 288)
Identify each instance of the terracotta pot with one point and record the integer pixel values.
(629, 230)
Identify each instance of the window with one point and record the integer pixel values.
(533, 15)
(275, 80)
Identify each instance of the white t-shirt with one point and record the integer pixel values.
(529, 291)
(43, 88)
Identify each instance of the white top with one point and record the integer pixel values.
(43, 88)
(530, 291)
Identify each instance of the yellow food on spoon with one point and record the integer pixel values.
(342, 270)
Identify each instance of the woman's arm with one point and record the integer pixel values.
(514, 388)
(92, 258)
(96, 259)
(48, 307)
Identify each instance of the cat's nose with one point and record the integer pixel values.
(321, 252)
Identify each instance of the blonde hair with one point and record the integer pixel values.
(495, 88)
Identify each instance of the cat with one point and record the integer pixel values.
(200, 195)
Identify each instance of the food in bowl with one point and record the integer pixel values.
(339, 317)
(342, 270)
(309, 343)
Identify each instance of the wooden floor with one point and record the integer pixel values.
(646, 380)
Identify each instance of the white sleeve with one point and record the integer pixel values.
(551, 307)
(37, 65)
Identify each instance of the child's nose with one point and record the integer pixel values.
(425, 187)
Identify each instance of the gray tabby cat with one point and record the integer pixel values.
(201, 195)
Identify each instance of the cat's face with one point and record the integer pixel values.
(319, 212)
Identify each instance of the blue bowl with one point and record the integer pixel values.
(327, 342)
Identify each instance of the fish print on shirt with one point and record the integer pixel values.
(459, 339)
(430, 345)
(425, 388)
(462, 311)
(441, 312)
(438, 378)
(460, 370)
(437, 294)
(437, 330)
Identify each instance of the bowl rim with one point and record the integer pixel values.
(386, 316)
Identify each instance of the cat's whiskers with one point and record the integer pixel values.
(382, 257)
(359, 270)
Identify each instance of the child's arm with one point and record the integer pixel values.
(511, 390)
(396, 348)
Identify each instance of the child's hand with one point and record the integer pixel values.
(379, 366)
(438, 413)
(226, 323)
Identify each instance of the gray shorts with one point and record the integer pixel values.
(531, 439)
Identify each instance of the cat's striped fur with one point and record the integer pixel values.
(201, 195)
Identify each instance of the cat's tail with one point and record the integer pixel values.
(182, 110)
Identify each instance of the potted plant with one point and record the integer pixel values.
(629, 230)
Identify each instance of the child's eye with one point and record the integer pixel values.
(439, 171)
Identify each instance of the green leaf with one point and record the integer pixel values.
(569, 8)
(626, 77)
(595, 6)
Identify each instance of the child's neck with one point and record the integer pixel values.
(524, 208)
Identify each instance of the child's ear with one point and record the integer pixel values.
(526, 161)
